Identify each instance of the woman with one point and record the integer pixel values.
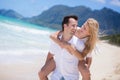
(87, 34)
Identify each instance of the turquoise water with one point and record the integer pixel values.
(18, 38)
(22, 23)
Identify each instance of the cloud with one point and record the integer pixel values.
(33, 1)
(115, 2)
(101, 1)
(44, 8)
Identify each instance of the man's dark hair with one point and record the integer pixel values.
(66, 20)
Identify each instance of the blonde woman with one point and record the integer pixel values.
(87, 34)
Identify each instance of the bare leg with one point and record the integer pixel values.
(46, 69)
(84, 70)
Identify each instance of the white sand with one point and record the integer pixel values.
(22, 70)
(106, 62)
(105, 66)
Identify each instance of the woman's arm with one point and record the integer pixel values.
(55, 38)
(67, 46)
(74, 51)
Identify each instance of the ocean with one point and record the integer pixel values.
(20, 41)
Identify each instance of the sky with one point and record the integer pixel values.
(29, 8)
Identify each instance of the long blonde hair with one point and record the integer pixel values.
(93, 26)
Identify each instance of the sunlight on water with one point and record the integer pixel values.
(20, 39)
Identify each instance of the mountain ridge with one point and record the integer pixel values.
(108, 19)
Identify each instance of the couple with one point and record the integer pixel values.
(70, 50)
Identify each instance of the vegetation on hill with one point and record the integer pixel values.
(108, 19)
(113, 39)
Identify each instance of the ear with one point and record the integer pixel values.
(65, 25)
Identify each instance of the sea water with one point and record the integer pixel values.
(20, 41)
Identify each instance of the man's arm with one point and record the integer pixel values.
(47, 68)
(88, 61)
(49, 57)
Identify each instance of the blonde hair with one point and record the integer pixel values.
(93, 26)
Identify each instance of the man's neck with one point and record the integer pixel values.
(66, 37)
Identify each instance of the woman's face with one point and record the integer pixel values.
(83, 31)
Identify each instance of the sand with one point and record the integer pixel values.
(22, 70)
(105, 65)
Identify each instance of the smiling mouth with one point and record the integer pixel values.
(73, 32)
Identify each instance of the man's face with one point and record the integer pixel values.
(71, 26)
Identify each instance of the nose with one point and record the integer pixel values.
(82, 29)
(74, 27)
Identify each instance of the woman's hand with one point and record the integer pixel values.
(54, 35)
(59, 42)
(55, 38)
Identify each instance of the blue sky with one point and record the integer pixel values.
(29, 8)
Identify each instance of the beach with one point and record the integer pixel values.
(24, 47)
(22, 68)
(105, 65)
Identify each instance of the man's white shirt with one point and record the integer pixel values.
(66, 64)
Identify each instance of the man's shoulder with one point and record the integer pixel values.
(78, 42)
(76, 39)
(73, 40)
(52, 43)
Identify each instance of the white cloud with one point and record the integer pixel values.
(33, 1)
(115, 2)
(101, 1)
(44, 8)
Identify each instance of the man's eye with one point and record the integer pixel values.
(73, 25)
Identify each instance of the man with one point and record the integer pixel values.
(66, 64)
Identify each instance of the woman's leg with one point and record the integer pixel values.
(85, 73)
(46, 70)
